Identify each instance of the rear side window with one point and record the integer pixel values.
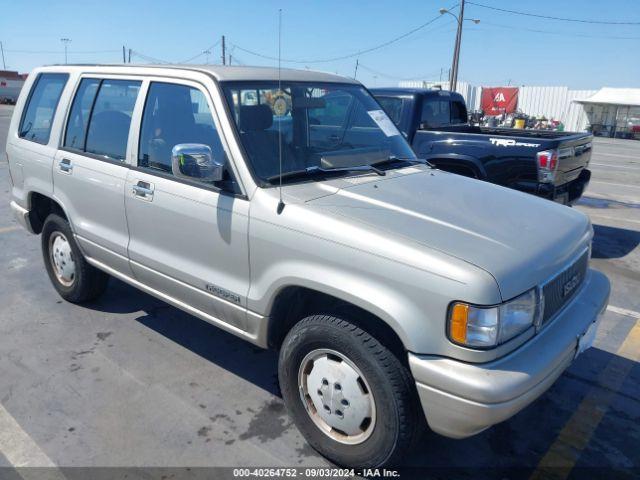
(393, 107)
(41, 107)
(435, 112)
(110, 120)
(458, 112)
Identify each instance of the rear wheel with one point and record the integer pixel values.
(75, 280)
(349, 395)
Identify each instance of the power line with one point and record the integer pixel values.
(392, 77)
(147, 57)
(549, 17)
(58, 51)
(203, 52)
(350, 55)
(557, 32)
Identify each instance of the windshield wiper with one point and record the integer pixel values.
(315, 170)
(393, 159)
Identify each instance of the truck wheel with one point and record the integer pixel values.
(75, 280)
(349, 396)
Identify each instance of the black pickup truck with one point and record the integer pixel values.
(549, 164)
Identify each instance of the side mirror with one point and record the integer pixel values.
(194, 161)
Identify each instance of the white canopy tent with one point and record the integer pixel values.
(613, 112)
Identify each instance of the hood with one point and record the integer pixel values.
(519, 239)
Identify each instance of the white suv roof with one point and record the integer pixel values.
(222, 73)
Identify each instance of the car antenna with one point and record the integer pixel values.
(280, 203)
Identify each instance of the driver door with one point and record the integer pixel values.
(188, 239)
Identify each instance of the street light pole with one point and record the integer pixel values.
(453, 81)
(453, 78)
(65, 42)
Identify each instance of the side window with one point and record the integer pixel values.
(360, 117)
(435, 112)
(175, 114)
(393, 107)
(79, 116)
(333, 112)
(41, 107)
(458, 112)
(111, 118)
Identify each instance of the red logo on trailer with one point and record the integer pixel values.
(497, 100)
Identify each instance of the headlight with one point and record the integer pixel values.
(477, 326)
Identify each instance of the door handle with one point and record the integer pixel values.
(143, 190)
(65, 165)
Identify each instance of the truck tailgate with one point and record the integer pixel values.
(574, 154)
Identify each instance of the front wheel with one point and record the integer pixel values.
(75, 280)
(350, 396)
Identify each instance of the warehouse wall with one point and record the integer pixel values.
(555, 102)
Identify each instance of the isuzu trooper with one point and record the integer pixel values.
(286, 208)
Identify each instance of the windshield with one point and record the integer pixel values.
(323, 125)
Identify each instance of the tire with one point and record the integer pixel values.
(75, 280)
(396, 420)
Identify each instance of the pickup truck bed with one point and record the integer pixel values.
(435, 123)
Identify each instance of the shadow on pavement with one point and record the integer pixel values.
(613, 242)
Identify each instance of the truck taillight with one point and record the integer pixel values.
(547, 164)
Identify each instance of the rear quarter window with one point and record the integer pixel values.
(41, 106)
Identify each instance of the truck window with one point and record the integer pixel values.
(41, 107)
(79, 116)
(436, 112)
(110, 120)
(175, 114)
(393, 107)
(458, 112)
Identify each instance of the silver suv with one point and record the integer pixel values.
(286, 208)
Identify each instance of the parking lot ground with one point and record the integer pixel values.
(129, 381)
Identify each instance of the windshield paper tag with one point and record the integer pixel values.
(383, 121)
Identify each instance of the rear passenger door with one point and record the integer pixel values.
(188, 238)
(90, 168)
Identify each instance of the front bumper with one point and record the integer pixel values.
(461, 399)
(22, 216)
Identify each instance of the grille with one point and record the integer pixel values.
(558, 292)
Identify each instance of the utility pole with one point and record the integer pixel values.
(4, 65)
(224, 60)
(207, 52)
(456, 51)
(65, 42)
(355, 74)
(230, 58)
(453, 77)
(124, 57)
(129, 55)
